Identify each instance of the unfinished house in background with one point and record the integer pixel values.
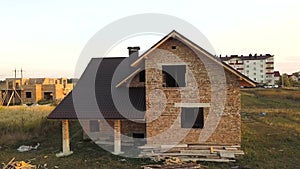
(174, 96)
(16, 91)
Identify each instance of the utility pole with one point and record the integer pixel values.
(15, 71)
(21, 73)
(282, 81)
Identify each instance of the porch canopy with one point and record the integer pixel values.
(96, 97)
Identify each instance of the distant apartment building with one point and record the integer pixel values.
(259, 68)
(31, 90)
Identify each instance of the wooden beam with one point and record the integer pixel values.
(19, 97)
(207, 160)
(194, 46)
(65, 140)
(144, 55)
(65, 136)
(4, 97)
(117, 137)
(12, 94)
(128, 77)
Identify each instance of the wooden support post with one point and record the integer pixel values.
(65, 140)
(117, 137)
(65, 136)
(12, 95)
(19, 97)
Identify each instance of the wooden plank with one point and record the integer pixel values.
(128, 77)
(230, 148)
(236, 152)
(174, 166)
(207, 160)
(144, 55)
(12, 94)
(6, 166)
(66, 138)
(224, 154)
(203, 146)
(173, 146)
(181, 154)
(209, 146)
(149, 147)
(196, 151)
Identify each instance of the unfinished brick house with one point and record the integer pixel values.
(15, 91)
(175, 93)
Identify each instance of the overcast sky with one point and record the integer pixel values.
(45, 38)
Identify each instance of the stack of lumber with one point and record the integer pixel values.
(193, 152)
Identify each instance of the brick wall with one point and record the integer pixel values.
(106, 129)
(29, 88)
(135, 82)
(165, 127)
(48, 88)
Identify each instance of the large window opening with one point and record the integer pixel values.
(173, 75)
(17, 85)
(192, 117)
(142, 76)
(138, 135)
(28, 94)
(48, 95)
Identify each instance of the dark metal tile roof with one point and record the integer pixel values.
(96, 97)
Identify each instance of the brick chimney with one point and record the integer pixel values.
(133, 54)
(133, 51)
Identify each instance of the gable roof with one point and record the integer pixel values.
(276, 74)
(196, 47)
(99, 81)
(100, 72)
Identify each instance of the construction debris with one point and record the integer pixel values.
(24, 148)
(18, 165)
(193, 153)
(174, 166)
(173, 160)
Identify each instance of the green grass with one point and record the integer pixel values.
(29, 126)
(270, 141)
(19, 123)
(86, 154)
(271, 99)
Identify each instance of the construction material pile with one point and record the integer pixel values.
(210, 153)
(18, 165)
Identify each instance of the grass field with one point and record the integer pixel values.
(270, 128)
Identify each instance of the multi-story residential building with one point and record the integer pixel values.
(31, 90)
(259, 68)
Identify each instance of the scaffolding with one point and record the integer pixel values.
(13, 89)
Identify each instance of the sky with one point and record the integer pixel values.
(45, 38)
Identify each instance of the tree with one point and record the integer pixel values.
(286, 81)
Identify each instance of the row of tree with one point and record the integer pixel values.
(289, 81)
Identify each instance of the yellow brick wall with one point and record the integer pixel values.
(166, 128)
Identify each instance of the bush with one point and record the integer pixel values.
(43, 102)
